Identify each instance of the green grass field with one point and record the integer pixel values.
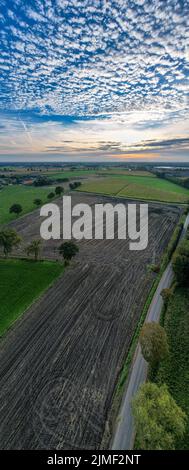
(174, 371)
(23, 195)
(140, 187)
(69, 174)
(21, 282)
(117, 172)
(85, 173)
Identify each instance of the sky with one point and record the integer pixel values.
(94, 80)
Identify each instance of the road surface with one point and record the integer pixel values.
(124, 434)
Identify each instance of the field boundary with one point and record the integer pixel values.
(119, 174)
(156, 201)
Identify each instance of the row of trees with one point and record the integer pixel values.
(75, 185)
(17, 208)
(59, 190)
(159, 421)
(181, 262)
(9, 239)
(46, 181)
(173, 177)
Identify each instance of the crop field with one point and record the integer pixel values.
(139, 187)
(97, 172)
(21, 282)
(60, 363)
(122, 172)
(70, 174)
(22, 195)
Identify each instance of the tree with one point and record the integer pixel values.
(62, 180)
(34, 249)
(37, 202)
(181, 263)
(75, 185)
(9, 239)
(42, 181)
(166, 294)
(158, 419)
(59, 190)
(51, 195)
(15, 209)
(153, 341)
(68, 250)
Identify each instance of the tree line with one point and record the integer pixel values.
(9, 239)
(59, 190)
(159, 421)
(18, 209)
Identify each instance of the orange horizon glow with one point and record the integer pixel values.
(125, 156)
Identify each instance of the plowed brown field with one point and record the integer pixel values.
(60, 363)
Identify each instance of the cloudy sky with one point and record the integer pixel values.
(94, 79)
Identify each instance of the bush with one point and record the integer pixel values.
(37, 202)
(59, 190)
(166, 294)
(75, 185)
(16, 209)
(42, 181)
(51, 195)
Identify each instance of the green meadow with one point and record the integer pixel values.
(98, 172)
(70, 174)
(139, 187)
(22, 282)
(20, 194)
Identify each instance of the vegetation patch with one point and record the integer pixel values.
(70, 174)
(139, 187)
(23, 195)
(22, 282)
(174, 371)
(108, 171)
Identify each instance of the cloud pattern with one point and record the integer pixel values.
(123, 62)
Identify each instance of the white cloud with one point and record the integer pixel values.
(103, 58)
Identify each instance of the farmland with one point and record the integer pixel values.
(22, 195)
(21, 282)
(61, 362)
(139, 187)
(124, 172)
(85, 173)
(70, 174)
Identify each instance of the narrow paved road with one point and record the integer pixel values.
(124, 434)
